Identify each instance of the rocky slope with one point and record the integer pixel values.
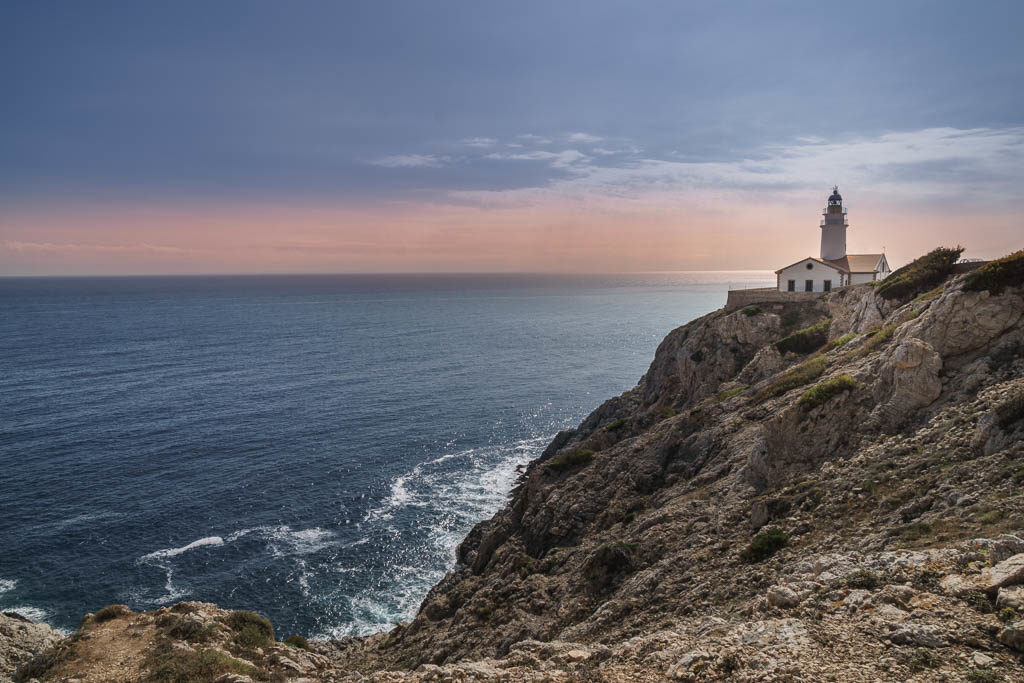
(822, 490)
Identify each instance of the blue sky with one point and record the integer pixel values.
(368, 104)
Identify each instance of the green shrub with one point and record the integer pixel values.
(251, 629)
(297, 641)
(840, 341)
(921, 274)
(914, 531)
(169, 665)
(735, 391)
(790, 318)
(929, 295)
(609, 562)
(566, 461)
(1010, 412)
(995, 276)
(806, 340)
(1006, 615)
(802, 374)
(764, 545)
(751, 311)
(819, 394)
(616, 425)
(983, 676)
(923, 658)
(668, 412)
(864, 578)
(111, 612)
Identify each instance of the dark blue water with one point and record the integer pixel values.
(312, 447)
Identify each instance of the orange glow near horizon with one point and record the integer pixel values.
(703, 234)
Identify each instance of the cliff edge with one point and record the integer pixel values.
(816, 490)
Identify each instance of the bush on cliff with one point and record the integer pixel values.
(921, 274)
(819, 394)
(111, 612)
(567, 461)
(297, 641)
(172, 665)
(995, 276)
(764, 545)
(802, 374)
(251, 629)
(1009, 412)
(806, 340)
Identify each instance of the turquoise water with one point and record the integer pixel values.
(311, 447)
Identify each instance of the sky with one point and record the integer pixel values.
(474, 136)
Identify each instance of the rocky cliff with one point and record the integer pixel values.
(816, 490)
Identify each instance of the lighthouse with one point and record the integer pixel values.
(833, 228)
(834, 267)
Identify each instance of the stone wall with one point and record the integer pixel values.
(738, 298)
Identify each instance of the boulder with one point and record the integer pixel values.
(783, 596)
(20, 640)
(1012, 636)
(1009, 572)
(1011, 597)
(908, 380)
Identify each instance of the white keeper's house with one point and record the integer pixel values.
(834, 267)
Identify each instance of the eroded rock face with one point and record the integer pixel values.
(854, 310)
(959, 321)
(20, 640)
(908, 380)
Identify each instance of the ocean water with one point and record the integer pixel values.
(311, 447)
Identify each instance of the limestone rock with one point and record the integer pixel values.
(783, 596)
(908, 380)
(1009, 572)
(1012, 597)
(20, 640)
(961, 321)
(1012, 635)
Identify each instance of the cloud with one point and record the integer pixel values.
(479, 142)
(534, 139)
(53, 248)
(934, 164)
(410, 161)
(584, 137)
(558, 159)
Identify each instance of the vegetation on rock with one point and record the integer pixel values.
(570, 460)
(111, 612)
(802, 374)
(995, 276)
(251, 629)
(920, 275)
(764, 545)
(297, 641)
(821, 393)
(1010, 411)
(806, 340)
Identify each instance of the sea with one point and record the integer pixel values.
(311, 447)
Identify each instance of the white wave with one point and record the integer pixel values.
(7, 585)
(285, 541)
(172, 552)
(465, 493)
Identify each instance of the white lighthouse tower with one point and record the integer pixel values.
(833, 228)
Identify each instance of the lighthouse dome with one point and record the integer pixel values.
(836, 197)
